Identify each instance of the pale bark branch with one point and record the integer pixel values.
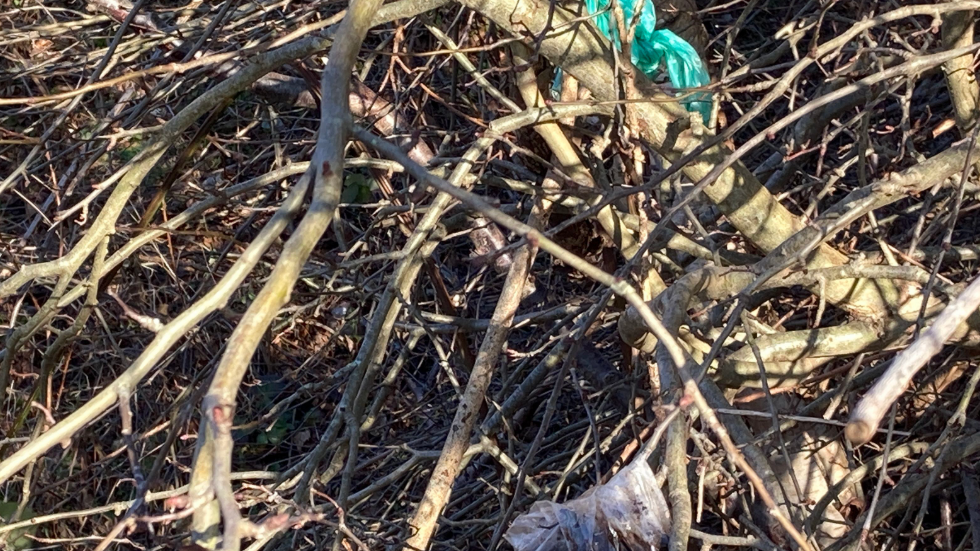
(874, 405)
(326, 171)
(957, 32)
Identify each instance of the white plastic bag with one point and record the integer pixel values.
(629, 509)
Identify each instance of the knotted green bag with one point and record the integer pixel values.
(652, 47)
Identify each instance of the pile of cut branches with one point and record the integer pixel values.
(298, 275)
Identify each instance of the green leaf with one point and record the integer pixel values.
(17, 539)
(357, 189)
(274, 435)
(131, 150)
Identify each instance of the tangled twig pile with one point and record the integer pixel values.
(237, 315)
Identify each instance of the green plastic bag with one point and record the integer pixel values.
(652, 47)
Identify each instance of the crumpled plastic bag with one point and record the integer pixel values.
(629, 509)
(652, 47)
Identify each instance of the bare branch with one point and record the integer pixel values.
(871, 409)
